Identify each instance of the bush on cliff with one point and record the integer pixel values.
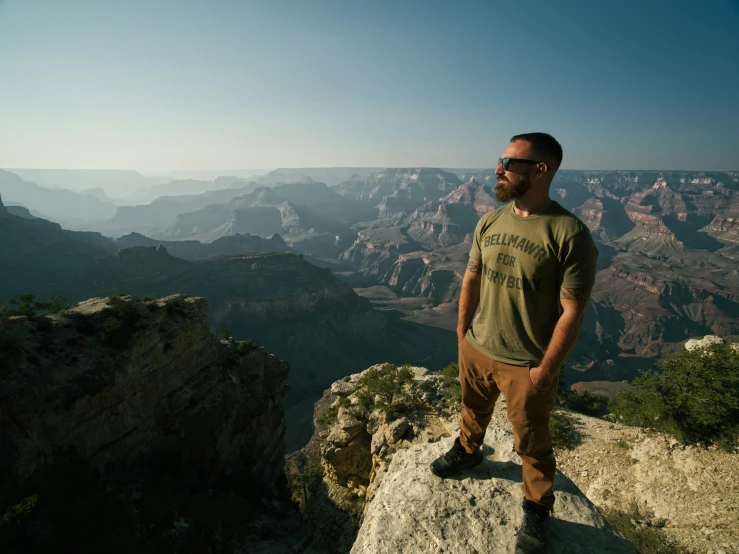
(694, 397)
(584, 403)
(307, 482)
(246, 346)
(380, 387)
(119, 326)
(329, 416)
(27, 305)
(14, 519)
(453, 391)
(563, 431)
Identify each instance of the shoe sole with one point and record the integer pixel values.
(530, 546)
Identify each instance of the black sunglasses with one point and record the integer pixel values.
(506, 162)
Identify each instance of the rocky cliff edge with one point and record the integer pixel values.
(377, 494)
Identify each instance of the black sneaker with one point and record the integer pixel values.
(455, 461)
(534, 533)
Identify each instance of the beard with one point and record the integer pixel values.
(508, 190)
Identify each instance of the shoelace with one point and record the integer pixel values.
(455, 456)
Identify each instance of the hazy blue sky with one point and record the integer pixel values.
(216, 84)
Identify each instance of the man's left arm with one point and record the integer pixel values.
(577, 276)
(574, 304)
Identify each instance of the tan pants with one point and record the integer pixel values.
(483, 379)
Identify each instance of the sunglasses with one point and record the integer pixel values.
(506, 162)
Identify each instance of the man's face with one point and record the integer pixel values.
(515, 182)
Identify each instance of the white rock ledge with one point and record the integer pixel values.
(479, 511)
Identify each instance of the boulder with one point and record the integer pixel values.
(708, 341)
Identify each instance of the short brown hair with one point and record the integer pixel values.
(545, 146)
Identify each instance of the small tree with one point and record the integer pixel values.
(695, 397)
(26, 305)
(56, 304)
(225, 335)
(309, 480)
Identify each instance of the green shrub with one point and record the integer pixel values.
(380, 387)
(14, 519)
(453, 391)
(311, 478)
(584, 403)
(56, 304)
(27, 305)
(647, 539)
(328, 417)
(695, 397)
(450, 373)
(563, 431)
(119, 326)
(304, 484)
(225, 335)
(246, 346)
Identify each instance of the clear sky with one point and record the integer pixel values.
(224, 84)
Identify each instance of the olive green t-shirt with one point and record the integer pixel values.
(526, 260)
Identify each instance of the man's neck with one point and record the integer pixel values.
(531, 206)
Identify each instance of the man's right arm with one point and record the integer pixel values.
(469, 298)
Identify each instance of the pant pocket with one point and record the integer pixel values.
(552, 390)
(531, 383)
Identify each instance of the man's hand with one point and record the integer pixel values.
(542, 379)
(574, 303)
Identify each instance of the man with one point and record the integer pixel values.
(531, 269)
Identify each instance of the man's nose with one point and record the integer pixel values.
(499, 170)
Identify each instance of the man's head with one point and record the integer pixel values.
(533, 160)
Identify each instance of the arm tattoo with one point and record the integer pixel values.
(575, 294)
(475, 267)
